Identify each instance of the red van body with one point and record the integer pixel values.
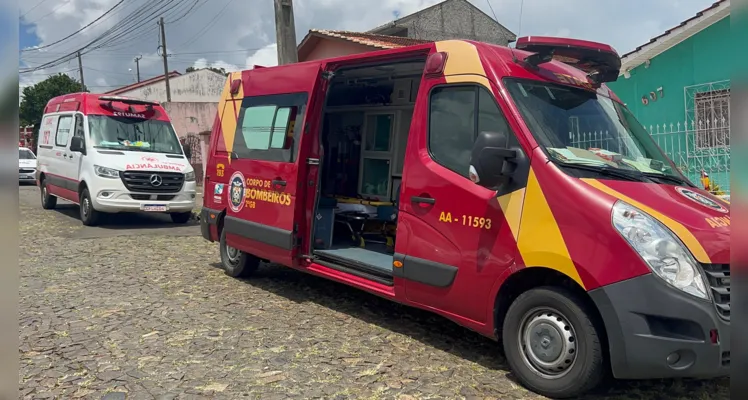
(529, 226)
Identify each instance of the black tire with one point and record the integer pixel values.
(180, 217)
(565, 319)
(240, 265)
(48, 201)
(89, 215)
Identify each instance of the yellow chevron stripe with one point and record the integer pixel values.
(229, 109)
(511, 205)
(463, 63)
(540, 241)
(681, 231)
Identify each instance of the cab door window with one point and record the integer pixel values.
(456, 115)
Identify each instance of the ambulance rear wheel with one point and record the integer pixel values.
(236, 263)
(48, 201)
(552, 344)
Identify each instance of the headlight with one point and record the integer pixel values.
(105, 172)
(190, 176)
(663, 252)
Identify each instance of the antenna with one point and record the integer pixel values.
(519, 28)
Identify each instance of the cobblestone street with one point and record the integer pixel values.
(139, 309)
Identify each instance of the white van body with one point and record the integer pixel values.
(114, 176)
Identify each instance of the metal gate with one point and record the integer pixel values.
(191, 144)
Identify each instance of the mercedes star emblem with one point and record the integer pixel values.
(155, 180)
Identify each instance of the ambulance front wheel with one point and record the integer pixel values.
(89, 215)
(552, 344)
(236, 263)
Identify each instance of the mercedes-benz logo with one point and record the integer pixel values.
(156, 180)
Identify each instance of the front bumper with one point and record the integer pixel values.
(655, 331)
(26, 174)
(110, 196)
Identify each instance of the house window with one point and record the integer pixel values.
(712, 119)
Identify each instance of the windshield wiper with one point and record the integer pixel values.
(607, 170)
(670, 178)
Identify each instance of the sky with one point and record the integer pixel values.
(237, 34)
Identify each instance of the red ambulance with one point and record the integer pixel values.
(508, 190)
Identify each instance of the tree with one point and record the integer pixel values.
(221, 71)
(36, 97)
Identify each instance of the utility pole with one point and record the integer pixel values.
(285, 32)
(80, 69)
(166, 63)
(137, 66)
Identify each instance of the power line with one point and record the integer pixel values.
(49, 13)
(110, 35)
(187, 12)
(79, 30)
(33, 8)
(206, 27)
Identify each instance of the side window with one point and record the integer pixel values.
(269, 127)
(64, 126)
(456, 115)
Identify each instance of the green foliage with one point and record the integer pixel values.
(221, 71)
(36, 97)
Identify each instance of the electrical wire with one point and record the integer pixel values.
(33, 8)
(206, 27)
(187, 12)
(79, 30)
(134, 21)
(49, 13)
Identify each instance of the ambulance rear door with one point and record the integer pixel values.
(264, 190)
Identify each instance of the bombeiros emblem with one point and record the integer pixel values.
(701, 199)
(236, 192)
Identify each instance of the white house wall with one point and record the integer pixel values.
(191, 118)
(195, 87)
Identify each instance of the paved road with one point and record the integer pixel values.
(138, 309)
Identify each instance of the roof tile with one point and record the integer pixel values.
(370, 39)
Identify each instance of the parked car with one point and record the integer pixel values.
(26, 165)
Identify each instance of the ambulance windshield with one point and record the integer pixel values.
(580, 127)
(134, 134)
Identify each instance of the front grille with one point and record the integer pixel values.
(718, 277)
(26, 170)
(140, 181)
(160, 197)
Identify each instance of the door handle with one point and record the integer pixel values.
(423, 200)
(277, 182)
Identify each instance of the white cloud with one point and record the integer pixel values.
(265, 57)
(244, 34)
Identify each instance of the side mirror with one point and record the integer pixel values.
(489, 159)
(78, 145)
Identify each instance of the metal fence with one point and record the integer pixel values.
(694, 146)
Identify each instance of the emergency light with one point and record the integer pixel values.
(600, 61)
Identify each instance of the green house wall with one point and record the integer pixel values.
(706, 57)
(703, 58)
